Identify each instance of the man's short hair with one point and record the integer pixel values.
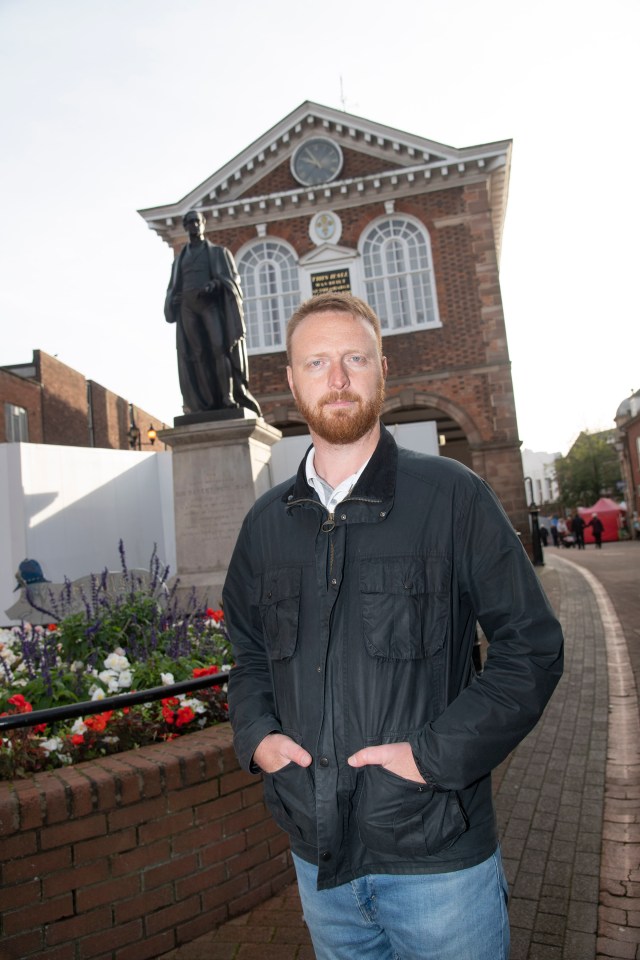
(338, 303)
(193, 215)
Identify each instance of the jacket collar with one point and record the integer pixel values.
(376, 484)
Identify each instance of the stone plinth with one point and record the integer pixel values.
(220, 467)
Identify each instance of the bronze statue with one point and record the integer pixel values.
(204, 300)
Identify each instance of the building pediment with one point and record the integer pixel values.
(327, 253)
(258, 185)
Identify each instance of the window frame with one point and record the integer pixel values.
(283, 274)
(414, 283)
(15, 414)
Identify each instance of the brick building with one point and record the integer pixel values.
(326, 200)
(628, 446)
(46, 401)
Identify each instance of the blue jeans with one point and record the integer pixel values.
(461, 915)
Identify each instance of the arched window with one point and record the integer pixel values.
(398, 271)
(271, 289)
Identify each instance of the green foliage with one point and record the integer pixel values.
(133, 638)
(590, 470)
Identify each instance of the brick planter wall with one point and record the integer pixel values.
(128, 857)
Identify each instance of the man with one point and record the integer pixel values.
(577, 529)
(597, 529)
(352, 599)
(204, 299)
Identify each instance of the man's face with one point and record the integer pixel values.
(194, 226)
(337, 375)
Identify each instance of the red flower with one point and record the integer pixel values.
(39, 728)
(22, 705)
(77, 739)
(216, 615)
(205, 671)
(99, 721)
(184, 715)
(52, 626)
(167, 712)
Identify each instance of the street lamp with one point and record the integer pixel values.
(151, 434)
(538, 559)
(133, 433)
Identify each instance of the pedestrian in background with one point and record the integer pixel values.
(597, 528)
(577, 528)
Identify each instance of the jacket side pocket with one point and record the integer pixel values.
(290, 796)
(406, 819)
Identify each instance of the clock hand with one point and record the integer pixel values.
(309, 157)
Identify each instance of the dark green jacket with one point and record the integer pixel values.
(357, 629)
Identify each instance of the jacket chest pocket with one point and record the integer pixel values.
(405, 606)
(279, 610)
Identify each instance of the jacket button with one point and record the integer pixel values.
(324, 761)
(325, 856)
(383, 513)
(333, 581)
(343, 516)
(319, 668)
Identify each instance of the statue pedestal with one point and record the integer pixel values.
(220, 467)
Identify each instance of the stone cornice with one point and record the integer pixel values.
(421, 166)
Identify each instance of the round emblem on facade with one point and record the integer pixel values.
(325, 227)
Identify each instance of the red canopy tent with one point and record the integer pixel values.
(609, 512)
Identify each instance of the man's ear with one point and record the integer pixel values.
(384, 367)
(290, 381)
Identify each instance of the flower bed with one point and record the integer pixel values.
(133, 639)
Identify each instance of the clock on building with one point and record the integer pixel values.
(316, 161)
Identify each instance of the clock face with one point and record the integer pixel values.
(316, 161)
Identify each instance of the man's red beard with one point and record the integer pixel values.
(347, 424)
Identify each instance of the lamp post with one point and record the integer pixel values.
(538, 559)
(133, 433)
(151, 434)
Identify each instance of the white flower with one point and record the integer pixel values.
(124, 680)
(97, 693)
(167, 679)
(77, 666)
(109, 678)
(196, 705)
(52, 745)
(117, 662)
(79, 726)
(7, 654)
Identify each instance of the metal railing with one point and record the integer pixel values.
(86, 708)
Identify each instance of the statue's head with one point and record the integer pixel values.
(193, 222)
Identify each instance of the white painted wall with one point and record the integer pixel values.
(68, 507)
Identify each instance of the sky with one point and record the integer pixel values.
(111, 106)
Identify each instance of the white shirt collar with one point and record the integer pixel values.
(330, 497)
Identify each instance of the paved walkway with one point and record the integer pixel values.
(568, 799)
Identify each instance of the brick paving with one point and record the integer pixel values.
(567, 799)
